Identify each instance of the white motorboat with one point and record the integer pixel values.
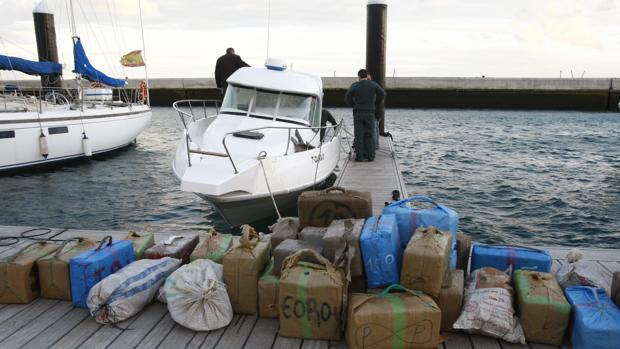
(261, 149)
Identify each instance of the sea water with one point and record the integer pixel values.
(525, 177)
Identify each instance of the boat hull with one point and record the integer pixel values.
(107, 129)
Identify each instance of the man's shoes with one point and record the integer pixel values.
(359, 160)
(370, 160)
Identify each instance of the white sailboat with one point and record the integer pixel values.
(49, 125)
(262, 148)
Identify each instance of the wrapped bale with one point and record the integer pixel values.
(450, 299)
(320, 208)
(463, 247)
(141, 242)
(381, 251)
(504, 257)
(411, 217)
(487, 308)
(177, 246)
(54, 275)
(92, 266)
(426, 260)
(615, 288)
(578, 272)
(196, 297)
(596, 319)
(124, 293)
(312, 234)
(311, 298)
(242, 267)
(268, 293)
(217, 268)
(18, 273)
(288, 247)
(393, 320)
(213, 246)
(284, 228)
(543, 309)
(341, 245)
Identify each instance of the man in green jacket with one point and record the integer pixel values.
(363, 96)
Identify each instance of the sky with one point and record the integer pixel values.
(426, 38)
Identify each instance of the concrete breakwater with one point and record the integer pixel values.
(406, 92)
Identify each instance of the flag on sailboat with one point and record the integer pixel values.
(133, 59)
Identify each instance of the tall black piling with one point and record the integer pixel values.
(45, 32)
(376, 39)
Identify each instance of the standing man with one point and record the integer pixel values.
(363, 96)
(225, 66)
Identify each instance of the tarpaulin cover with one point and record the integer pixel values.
(381, 251)
(596, 319)
(29, 67)
(502, 257)
(83, 67)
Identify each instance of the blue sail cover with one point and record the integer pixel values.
(29, 67)
(83, 67)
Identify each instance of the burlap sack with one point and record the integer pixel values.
(213, 246)
(268, 293)
(312, 234)
(393, 320)
(141, 242)
(544, 311)
(54, 275)
(311, 298)
(242, 267)
(426, 260)
(284, 228)
(320, 208)
(615, 288)
(18, 277)
(341, 245)
(289, 247)
(463, 248)
(450, 299)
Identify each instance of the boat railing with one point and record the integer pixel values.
(186, 108)
(336, 131)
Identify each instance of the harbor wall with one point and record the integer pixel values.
(404, 92)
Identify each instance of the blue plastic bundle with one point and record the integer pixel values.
(94, 265)
(503, 256)
(409, 218)
(596, 319)
(381, 250)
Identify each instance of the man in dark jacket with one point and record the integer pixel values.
(225, 66)
(363, 96)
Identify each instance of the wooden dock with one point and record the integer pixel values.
(46, 323)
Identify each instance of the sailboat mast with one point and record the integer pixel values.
(146, 71)
(72, 20)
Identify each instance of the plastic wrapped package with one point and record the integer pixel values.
(596, 320)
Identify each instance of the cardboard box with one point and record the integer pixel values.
(268, 293)
(615, 288)
(392, 320)
(242, 267)
(20, 283)
(141, 242)
(450, 299)
(284, 228)
(54, 276)
(320, 208)
(463, 248)
(289, 247)
(426, 260)
(311, 298)
(543, 309)
(213, 246)
(179, 248)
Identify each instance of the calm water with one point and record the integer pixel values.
(513, 176)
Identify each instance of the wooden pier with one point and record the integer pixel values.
(47, 323)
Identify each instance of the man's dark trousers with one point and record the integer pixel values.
(363, 126)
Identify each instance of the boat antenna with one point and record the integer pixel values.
(268, 24)
(146, 72)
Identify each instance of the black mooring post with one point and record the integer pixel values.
(376, 39)
(45, 32)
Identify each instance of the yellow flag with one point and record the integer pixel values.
(133, 59)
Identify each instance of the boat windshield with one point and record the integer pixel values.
(279, 105)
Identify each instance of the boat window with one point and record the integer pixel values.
(7, 134)
(266, 103)
(295, 106)
(58, 130)
(237, 99)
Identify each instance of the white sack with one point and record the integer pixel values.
(217, 267)
(579, 272)
(197, 298)
(124, 293)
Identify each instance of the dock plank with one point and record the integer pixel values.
(506, 345)
(36, 326)
(481, 342)
(107, 334)
(457, 340)
(197, 341)
(55, 332)
(541, 346)
(213, 337)
(144, 323)
(157, 333)
(287, 343)
(314, 344)
(237, 332)
(178, 337)
(10, 310)
(25, 317)
(79, 334)
(264, 333)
